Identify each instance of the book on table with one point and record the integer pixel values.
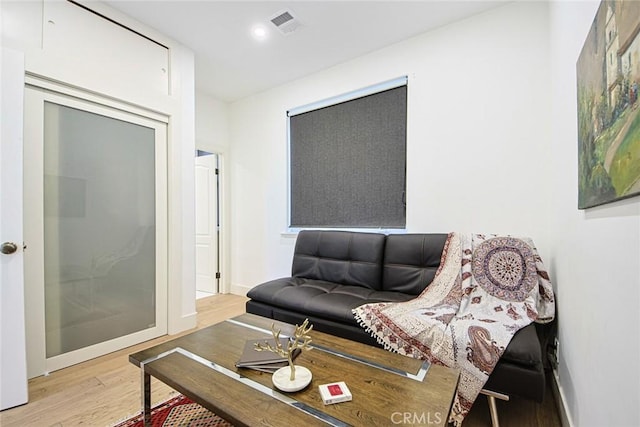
(265, 360)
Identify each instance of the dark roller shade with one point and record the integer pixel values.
(348, 163)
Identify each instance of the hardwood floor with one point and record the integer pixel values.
(516, 412)
(103, 391)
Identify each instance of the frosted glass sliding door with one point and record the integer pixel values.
(99, 223)
(100, 249)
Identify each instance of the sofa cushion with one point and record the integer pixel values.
(411, 261)
(340, 257)
(524, 348)
(320, 298)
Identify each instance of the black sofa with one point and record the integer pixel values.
(336, 271)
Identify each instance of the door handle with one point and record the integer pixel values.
(8, 248)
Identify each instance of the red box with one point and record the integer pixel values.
(335, 393)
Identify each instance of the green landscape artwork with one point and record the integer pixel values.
(608, 74)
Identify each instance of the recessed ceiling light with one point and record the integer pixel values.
(259, 32)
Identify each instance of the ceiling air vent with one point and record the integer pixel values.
(285, 21)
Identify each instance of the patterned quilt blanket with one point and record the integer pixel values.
(486, 289)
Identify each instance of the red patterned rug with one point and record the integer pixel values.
(178, 411)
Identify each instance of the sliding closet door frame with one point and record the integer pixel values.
(35, 98)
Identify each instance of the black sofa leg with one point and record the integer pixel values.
(493, 408)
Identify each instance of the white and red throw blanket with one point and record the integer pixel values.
(486, 289)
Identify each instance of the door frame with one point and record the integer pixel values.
(215, 186)
(224, 215)
(35, 96)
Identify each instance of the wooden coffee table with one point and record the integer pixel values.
(387, 388)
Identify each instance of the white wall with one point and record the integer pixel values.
(595, 258)
(212, 123)
(478, 136)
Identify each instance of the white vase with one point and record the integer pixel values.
(281, 378)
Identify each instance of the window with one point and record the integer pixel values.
(347, 159)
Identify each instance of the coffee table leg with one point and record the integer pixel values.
(146, 398)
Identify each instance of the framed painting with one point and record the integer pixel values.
(608, 77)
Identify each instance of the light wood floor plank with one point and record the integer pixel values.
(105, 390)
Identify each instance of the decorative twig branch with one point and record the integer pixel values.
(301, 340)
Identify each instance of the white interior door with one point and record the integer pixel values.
(13, 362)
(96, 226)
(206, 224)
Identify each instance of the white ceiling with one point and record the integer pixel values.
(231, 64)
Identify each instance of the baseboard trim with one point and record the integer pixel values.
(239, 290)
(561, 401)
(185, 322)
